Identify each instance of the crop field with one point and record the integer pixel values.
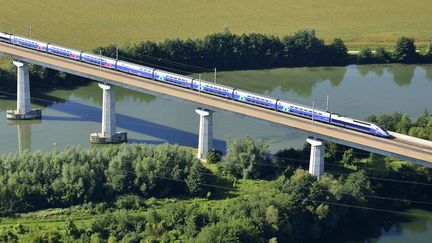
(89, 24)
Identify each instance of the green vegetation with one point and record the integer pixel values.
(421, 128)
(359, 23)
(35, 181)
(228, 51)
(404, 52)
(132, 193)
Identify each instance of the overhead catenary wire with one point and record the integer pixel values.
(365, 153)
(188, 72)
(318, 201)
(365, 195)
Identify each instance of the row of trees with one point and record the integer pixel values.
(33, 181)
(405, 51)
(227, 51)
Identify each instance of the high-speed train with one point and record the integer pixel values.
(198, 85)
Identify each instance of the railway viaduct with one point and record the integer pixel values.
(401, 146)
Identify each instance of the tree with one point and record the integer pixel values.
(404, 125)
(195, 179)
(382, 56)
(405, 50)
(246, 158)
(338, 52)
(348, 157)
(303, 49)
(214, 156)
(365, 56)
(71, 229)
(331, 150)
(119, 173)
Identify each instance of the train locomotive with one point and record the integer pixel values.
(198, 85)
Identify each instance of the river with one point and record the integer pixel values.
(70, 115)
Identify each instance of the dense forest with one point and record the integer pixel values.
(134, 193)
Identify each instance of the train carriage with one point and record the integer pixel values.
(29, 43)
(217, 89)
(98, 60)
(301, 110)
(172, 78)
(63, 51)
(201, 85)
(254, 99)
(358, 125)
(135, 69)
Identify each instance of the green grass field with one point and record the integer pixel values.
(88, 24)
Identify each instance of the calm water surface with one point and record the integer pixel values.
(69, 116)
(416, 228)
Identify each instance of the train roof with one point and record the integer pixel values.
(304, 106)
(133, 64)
(174, 74)
(98, 56)
(255, 94)
(60, 46)
(214, 84)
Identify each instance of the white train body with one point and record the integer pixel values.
(64, 51)
(135, 69)
(29, 43)
(98, 60)
(301, 110)
(212, 88)
(256, 99)
(5, 37)
(172, 78)
(198, 85)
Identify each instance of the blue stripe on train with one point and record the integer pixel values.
(304, 113)
(349, 125)
(22, 43)
(61, 53)
(213, 91)
(173, 81)
(254, 101)
(134, 71)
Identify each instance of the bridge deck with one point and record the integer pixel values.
(399, 147)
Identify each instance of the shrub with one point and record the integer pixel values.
(405, 50)
(214, 156)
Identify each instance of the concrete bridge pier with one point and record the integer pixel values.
(108, 133)
(205, 140)
(23, 111)
(316, 163)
